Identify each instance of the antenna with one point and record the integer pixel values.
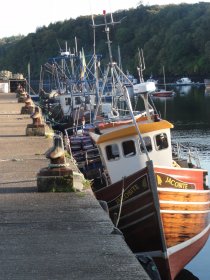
(141, 67)
(112, 67)
(106, 25)
(94, 36)
(59, 45)
(76, 51)
(112, 21)
(119, 58)
(111, 14)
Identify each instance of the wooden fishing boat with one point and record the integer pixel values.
(161, 205)
(158, 200)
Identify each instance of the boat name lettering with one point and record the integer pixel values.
(128, 193)
(167, 182)
(176, 184)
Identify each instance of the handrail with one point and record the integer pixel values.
(180, 151)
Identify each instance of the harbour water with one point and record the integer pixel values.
(189, 111)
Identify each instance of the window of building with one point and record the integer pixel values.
(129, 149)
(161, 141)
(112, 152)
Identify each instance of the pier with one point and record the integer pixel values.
(51, 235)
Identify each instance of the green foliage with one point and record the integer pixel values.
(176, 36)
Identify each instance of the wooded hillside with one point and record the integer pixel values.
(176, 36)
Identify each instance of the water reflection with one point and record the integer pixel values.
(186, 110)
(207, 91)
(183, 89)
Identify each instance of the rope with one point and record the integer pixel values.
(58, 165)
(121, 201)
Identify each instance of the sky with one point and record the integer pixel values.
(26, 16)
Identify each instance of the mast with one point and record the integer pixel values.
(164, 81)
(96, 63)
(164, 78)
(111, 65)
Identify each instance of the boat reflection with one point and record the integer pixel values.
(184, 89)
(207, 91)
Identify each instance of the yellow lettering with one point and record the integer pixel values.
(128, 193)
(176, 184)
(167, 179)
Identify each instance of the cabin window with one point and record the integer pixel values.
(68, 101)
(148, 144)
(77, 100)
(112, 152)
(161, 141)
(129, 149)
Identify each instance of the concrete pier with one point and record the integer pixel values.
(51, 235)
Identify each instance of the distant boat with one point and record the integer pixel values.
(163, 93)
(152, 80)
(184, 81)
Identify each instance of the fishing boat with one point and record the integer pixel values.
(66, 88)
(157, 199)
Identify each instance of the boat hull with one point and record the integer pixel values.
(163, 93)
(169, 224)
(183, 256)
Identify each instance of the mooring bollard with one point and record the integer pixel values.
(29, 106)
(38, 127)
(19, 90)
(22, 97)
(58, 176)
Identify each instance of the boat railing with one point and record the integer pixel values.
(183, 153)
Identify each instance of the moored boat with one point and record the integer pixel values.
(158, 200)
(163, 93)
(185, 81)
(161, 207)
